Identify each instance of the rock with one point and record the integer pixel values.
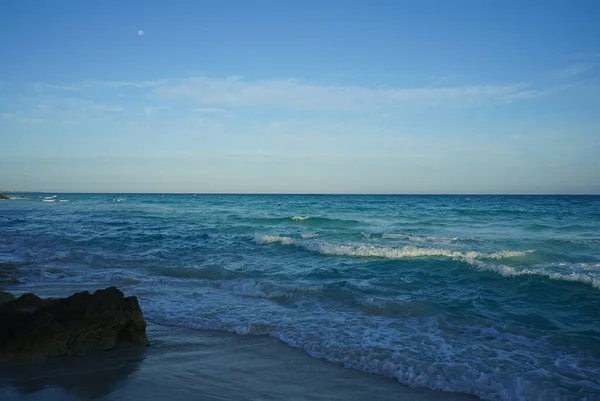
(34, 328)
(26, 303)
(5, 297)
(4, 197)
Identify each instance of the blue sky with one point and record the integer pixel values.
(331, 96)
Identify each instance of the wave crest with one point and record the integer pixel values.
(362, 250)
(479, 260)
(510, 271)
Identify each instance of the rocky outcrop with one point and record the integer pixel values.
(5, 297)
(3, 197)
(34, 328)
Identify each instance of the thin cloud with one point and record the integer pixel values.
(88, 105)
(77, 87)
(292, 94)
(45, 87)
(213, 110)
(527, 94)
(22, 119)
(584, 56)
(133, 84)
(572, 71)
(108, 109)
(215, 95)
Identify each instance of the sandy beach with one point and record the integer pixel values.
(185, 364)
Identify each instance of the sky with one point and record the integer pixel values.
(464, 96)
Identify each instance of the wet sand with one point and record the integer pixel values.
(187, 364)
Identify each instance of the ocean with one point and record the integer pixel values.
(493, 296)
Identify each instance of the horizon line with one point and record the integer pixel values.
(306, 193)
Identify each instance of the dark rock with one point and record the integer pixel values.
(32, 328)
(5, 297)
(4, 197)
(26, 303)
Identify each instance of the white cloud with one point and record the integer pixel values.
(44, 87)
(52, 108)
(212, 110)
(108, 109)
(80, 86)
(90, 106)
(22, 119)
(572, 71)
(218, 95)
(131, 84)
(526, 94)
(293, 94)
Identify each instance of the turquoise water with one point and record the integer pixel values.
(496, 296)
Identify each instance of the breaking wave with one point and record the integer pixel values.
(476, 259)
(510, 271)
(363, 250)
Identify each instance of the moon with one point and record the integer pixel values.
(140, 32)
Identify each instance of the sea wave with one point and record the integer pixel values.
(317, 221)
(286, 293)
(309, 235)
(416, 351)
(364, 250)
(418, 238)
(510, 271)
(208, 273)
(480, 260)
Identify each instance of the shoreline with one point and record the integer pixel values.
(185, 364)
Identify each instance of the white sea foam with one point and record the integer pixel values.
(363, 250)
(300, 218)
(489, 362)
(270, 239)
(310, 235)
(417, 238)
(510, 271)
(585, 272)
(263, 289)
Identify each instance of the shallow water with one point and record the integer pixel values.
(185, 365)
(496, 296)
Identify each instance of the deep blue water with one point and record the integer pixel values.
(497, 296)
